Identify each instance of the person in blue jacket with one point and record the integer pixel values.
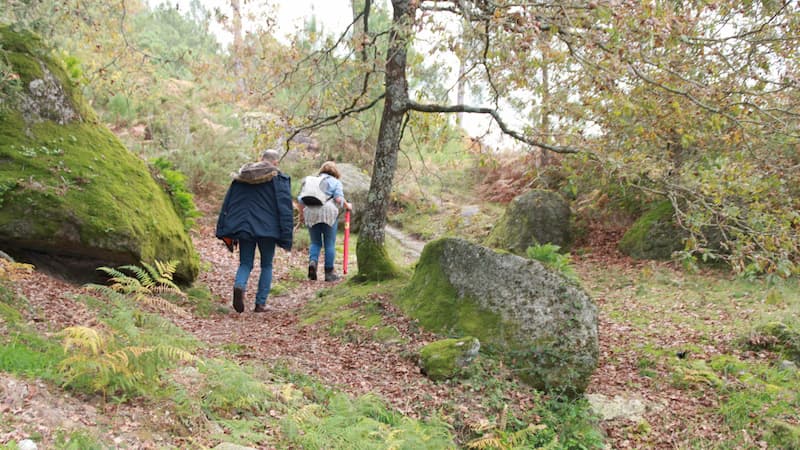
(257, 211)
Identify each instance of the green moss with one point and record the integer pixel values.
(374, 263)
(388, 335)
(431, 299)
(654, 235)
(74, 187)
(443, 359)
(351, 309)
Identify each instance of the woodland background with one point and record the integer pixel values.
(619, 105)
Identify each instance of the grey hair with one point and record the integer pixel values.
(270, 155)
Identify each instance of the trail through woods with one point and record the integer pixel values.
(359, 366)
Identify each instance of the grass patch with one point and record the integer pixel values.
(756, 396)
(201, 301)
(353, 309)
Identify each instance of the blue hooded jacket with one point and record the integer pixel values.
(252, 211)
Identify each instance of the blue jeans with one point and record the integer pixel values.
(323, 235)
(247, 253)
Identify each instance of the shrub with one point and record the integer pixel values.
(174, 184)
(548, 255)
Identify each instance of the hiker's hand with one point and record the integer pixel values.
(348, 206)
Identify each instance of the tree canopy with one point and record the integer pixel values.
(695, 102)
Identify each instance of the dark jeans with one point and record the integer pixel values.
(247, 253)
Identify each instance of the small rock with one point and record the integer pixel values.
(27, 444)
(788, 366)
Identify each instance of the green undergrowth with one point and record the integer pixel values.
(434, 206)
(756, 399)
(225, 401)
(354, 311)
(22, 351)
(751, 378)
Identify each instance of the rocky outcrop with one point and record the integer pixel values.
(73, 198)
(356, 187)
(655, 235)
(536, 217)
(544, 325)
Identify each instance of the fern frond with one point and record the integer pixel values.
(127, 285)
(502, 420)
(173, 353)
(106, 291)
(162, 305)
(167, 269)
(485, 442)
(83, 337)
(165, 289)
(111, 272)
(307, 413)
(142, 274)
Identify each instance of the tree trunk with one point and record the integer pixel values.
(238, 67)
(373, 261)
(545, 110)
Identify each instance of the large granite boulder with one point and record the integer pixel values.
(655, 235)
(536, 217)
(73, 198)
(542, 324)
(356, 188)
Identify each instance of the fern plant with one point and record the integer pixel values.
(499, 437)
(548, 255)
(95, 361)
(146, 287)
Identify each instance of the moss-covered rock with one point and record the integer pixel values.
(536, 217)
(448, 358)
(356, 188)
(542, 324)
(655, 235)
(72, 197)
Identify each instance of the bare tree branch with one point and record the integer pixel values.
(432, 108)
(332, 119)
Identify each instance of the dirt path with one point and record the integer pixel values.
(277, 335)
(363, 367)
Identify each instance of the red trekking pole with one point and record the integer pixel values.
(346, 240)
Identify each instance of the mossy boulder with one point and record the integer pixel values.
(447, 358)
(539, 322)
(655, 235)
(72, 197)
(534, 218)
(356, 188)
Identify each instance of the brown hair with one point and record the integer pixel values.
(329, 167)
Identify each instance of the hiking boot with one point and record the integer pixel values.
(330, 275)
(238, 299)
(260, 308)
(312, 271)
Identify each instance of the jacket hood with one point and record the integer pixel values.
(256, 172)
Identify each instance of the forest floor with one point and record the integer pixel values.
(675, 417)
